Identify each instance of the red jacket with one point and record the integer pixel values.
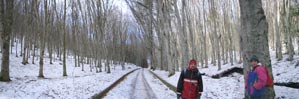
(262, 77)
(190, 84)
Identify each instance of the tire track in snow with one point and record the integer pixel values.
(141, 88)
(135, 86)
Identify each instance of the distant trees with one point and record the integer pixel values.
(207, 30)
(165, 34)
(177, 31)
(92, 33)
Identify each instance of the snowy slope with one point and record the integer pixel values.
(285, 71)
(77, 85)
(232, 87)
(83, 84)
(228, 87)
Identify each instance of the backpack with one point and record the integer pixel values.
(269, 79)
(252, 78)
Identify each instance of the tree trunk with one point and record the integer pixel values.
(168, 32)
(16, 48)
(64, 41)
(230, 37)
(278, 41)
(42, 41)
(216, 41)
(254, 38)
(204, 37)
(6, 18)
(288, 32)
(180, 29)
(184, 43)
(151, 36)
(25, 51)
(33, 54)
(50, 53)
(108, 65)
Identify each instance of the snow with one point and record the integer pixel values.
(129, 90)
(213, 70)
(84, 84)
(223, 88)
(285, 71)
(78, 84)
(232, 87)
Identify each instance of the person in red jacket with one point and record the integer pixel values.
(256, 80)
(190, 82)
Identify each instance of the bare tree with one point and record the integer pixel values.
(216, 37)
(277, 33)
(42, 40)
(64, 40)
(290, 46)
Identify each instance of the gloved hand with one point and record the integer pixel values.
(179, 96)
(198, 95)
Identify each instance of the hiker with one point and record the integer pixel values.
(256, 79)
(190, 82)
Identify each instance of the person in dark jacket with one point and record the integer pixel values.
(190, 82)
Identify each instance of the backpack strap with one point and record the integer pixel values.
(185, 72)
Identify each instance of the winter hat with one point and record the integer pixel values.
(192, 62)
(189, 65)
(254, 58)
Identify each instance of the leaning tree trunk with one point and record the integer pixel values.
(254, 38)
(6, 18)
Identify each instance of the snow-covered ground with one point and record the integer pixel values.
(232, 87)
(133, 87)
(285, 71)
(83, 84)
(77, 85)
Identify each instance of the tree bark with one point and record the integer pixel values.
(6, 10)
(42, 41)
(254, 38)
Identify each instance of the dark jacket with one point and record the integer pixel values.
(190, 84)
